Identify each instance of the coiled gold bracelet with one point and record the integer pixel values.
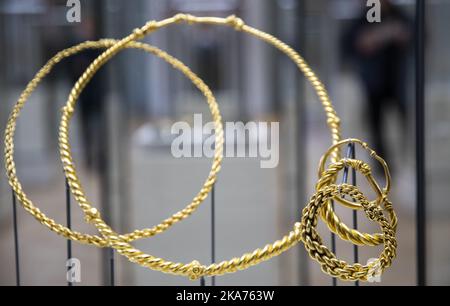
(304, 231)
(137, 234)
(329, 177)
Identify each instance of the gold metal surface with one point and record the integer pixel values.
(371, 180)
(327, 260)
(329, 177)
(333, 222)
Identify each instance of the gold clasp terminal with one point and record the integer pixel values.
(236, 22)
(196, 270)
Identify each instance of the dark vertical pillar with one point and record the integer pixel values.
(420, 141)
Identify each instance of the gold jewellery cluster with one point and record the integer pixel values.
(379, 210)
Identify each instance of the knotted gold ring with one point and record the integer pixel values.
(329, 177)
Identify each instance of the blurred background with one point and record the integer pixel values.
(121, 131)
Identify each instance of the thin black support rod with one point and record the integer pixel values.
(333, 249)
(352, 154)
(69, 226)
(16, 239)
(420, 142)
(349, 154)
(213, 231)
(112, 276)
(355, 213)
(213, 235)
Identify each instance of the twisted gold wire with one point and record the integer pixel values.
(137, 234)
(329, 177)
(333, 221)
(381, 192)
(304, 231)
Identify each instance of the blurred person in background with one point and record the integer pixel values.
(380, 52)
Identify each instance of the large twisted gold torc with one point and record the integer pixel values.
(137, 234)
(304, 231)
